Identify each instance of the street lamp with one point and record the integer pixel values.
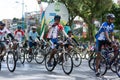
(22, 13)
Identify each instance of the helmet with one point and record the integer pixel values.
(57, 17)
(2, 24)
(34, 27)
(19, 27)
(110, 16)
(69, 32)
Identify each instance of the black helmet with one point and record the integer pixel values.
(2, 24)
(69, 32)
(110, 16)
(57, 17)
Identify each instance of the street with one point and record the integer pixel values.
(34, 71)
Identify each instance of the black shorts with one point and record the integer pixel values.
(101, 43)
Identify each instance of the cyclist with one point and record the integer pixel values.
(53, 36)
(3, 31)
(104, 36)
(33, 36)
(19, 34)
(70, 41)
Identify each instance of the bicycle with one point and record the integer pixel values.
(10, 57)
(108, 60)
(42, 52)
(62, 57)
(77, 59)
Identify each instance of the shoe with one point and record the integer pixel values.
(97, 74)
(55, 63)
(49, 64)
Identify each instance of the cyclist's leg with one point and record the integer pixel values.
(2, 48)
(30, 47)
(98, 50)
(53, 42)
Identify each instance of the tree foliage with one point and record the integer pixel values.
(88, 10)
(116, 11)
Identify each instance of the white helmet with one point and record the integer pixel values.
(34, 27)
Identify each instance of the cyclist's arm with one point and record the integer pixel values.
(75, 41)
(9, 33)
(64, 33)
(38, 36)
(30, 35)
(11, 36)
(112, 34)
(107, 36)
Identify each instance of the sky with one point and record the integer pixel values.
(10, 9)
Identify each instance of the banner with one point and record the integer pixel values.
(56, 8)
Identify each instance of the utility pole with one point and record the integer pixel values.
(23, 26)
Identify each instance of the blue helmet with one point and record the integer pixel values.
(19, 27)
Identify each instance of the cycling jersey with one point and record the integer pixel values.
(3, 33)
(104, 28)
(33, 36)
(53, 31)
(19, 35)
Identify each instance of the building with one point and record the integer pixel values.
(32, 18)
(7, 22)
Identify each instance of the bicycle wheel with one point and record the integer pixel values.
(0, 64)
(11, 62)
(91, 64)
(67, 63)
(22, 56)
(102, 66)
(16, 56)
(117, 67)
(29, 57)
(112, 67)
(40, 57)
(77, 59)
(49, 68)
(87, 56)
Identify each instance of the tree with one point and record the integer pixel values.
(88, 10)
(116, 11)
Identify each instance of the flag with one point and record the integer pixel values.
(42, 29)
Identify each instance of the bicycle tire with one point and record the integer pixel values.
(117, 67)
(91, 64)
(16, 56)
(67, 57)
(0, 64)
(112, 67)
(14, 61)
(102, 63)
(29, 58)
(39, 57)
(22, 56)
(46, 63)
(77, 59)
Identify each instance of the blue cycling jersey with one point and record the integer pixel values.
(105, 27)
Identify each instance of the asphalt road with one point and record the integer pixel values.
(34, 71)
